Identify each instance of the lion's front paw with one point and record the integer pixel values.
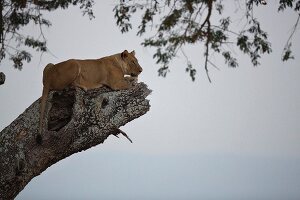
(132, 80)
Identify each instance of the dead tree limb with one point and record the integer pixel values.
(75, 120)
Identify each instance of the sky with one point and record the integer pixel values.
(236, 138)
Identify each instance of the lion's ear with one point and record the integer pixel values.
(133, 53)
(124, 54)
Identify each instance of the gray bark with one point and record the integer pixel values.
(74, 121)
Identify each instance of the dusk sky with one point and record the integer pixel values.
(237, 138)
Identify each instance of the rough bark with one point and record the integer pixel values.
(74, 121)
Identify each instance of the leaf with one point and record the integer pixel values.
(287, 53)
(232, 62)
(170, 20)
(192, 72)
(19, 57)
(39, 45)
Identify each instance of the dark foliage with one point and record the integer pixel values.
(175, 23)
(184, 22)
(16, 14)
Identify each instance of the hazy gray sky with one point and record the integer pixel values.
(237, 138)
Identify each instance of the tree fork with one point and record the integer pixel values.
(75, 120)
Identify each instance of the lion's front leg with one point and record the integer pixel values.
(131, 80)
(121, 84)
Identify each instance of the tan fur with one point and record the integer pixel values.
(89, 74)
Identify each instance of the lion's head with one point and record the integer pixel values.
(132, 67)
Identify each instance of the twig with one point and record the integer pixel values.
(123, 133)
(293, 32)
(215, 66)
(207, 20)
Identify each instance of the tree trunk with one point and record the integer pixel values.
(74, 121)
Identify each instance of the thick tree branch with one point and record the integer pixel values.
(75, 120)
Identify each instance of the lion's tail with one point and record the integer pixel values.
(42, 112)
(44, 98)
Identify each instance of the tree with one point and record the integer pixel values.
(178, 23)
(16, 14)
(77, 120)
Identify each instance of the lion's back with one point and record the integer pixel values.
(46, 72)
(60, 75)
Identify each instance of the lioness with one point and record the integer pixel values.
(89, 74)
